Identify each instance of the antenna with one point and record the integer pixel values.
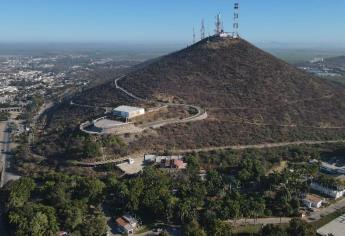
(193, 35)
(202, 30)
(236, 19)
(218, 24)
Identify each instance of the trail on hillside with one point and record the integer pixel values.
(261, 146)
(207, 149)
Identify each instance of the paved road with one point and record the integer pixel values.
(5, 142)
(125, 91)
(314, 216)
(200, 115)
(5, 176)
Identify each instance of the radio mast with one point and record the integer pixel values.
(193, 35)
(202, 30)
(218, 24)
(236, 19)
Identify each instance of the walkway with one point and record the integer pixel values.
(261, 146)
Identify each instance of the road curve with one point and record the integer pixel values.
(200, 115)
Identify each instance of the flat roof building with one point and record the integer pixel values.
(128, 112)
(335, 227)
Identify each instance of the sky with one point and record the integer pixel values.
(275, 22)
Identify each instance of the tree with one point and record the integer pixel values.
(232, 207)
(298, 227)
(193, 229)
(272, 230)
(214, 183)
(221, 228)
(72, 215)
(90, 189)
(193, 165)
(94, 225)
(34, 219)
(92, 149)
(135, 190)
(19, 191)
(156, 191)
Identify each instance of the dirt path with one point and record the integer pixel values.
(261, 146)
(233, 147)
(260, 221)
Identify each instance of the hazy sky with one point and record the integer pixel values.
(169, 21)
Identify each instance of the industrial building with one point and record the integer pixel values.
(331, 191)
(128, 112)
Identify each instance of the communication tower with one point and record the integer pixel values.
(219, 25)
(202, 30)
(236, 19)
(193, 35)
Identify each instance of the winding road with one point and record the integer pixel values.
(200, 115)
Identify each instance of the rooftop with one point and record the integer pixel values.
(122, 222)
(127, 108)
(335, 227)
(313, 198)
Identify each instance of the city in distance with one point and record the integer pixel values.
(176, 118)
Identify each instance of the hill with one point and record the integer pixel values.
(250, 97)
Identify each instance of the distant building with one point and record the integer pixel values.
(175, 162)
(334, 192)
(312, 201)
(127, 224)
(128, 112)
(333, 169)
(148, 158)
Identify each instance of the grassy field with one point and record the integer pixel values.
(247, 230)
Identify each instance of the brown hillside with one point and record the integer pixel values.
(250, 96)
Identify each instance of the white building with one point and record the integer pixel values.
(312, 201)
(128, 112)
(331, 192)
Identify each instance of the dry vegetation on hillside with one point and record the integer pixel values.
(250, 96)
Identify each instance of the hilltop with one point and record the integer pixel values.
(250, 97)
